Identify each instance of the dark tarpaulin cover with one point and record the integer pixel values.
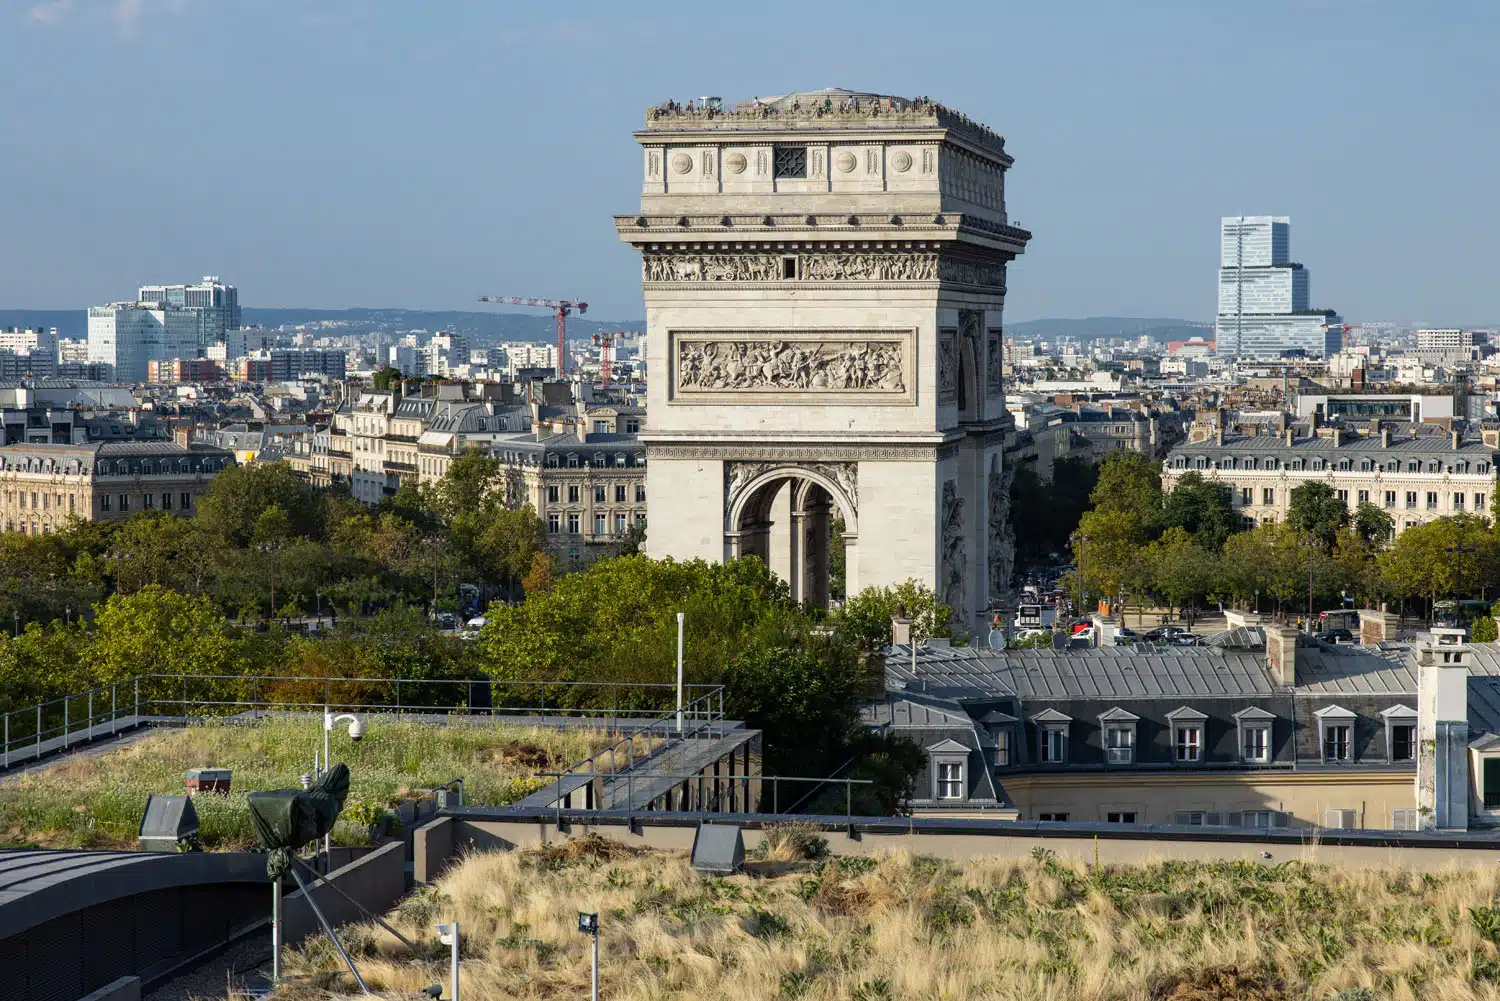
(287, 819)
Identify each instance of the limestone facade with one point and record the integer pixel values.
(824, 277)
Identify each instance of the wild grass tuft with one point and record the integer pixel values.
(902, 927)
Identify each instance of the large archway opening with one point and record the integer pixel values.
(786, 517)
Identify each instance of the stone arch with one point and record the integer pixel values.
(783, 513)
(970, 392)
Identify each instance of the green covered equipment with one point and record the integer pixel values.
(287, 819)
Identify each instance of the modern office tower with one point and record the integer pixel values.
(130, 335)
(1263, 295)
(218, 305)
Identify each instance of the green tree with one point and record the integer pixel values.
(793, 693)
(1129, 483)
(1372, 525)
(1181, 569)
(1203, 508)
(1484, 630)
(504, 543)
(159, 631)
(1317, 511)
(240, 495)
(387, 378)
(866, 616)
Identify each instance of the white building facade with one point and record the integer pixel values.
(217, 305)
(824, 277)
(131, 335)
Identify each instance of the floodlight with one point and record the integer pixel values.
(588, 923)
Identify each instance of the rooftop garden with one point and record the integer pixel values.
(897, 926)
(96, 800)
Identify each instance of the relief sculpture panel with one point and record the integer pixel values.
(948, 364)
(994, 361)
(833, 366)
(955, 566)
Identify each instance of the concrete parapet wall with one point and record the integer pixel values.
(377, 881)
(1001, 839)
(432, 849)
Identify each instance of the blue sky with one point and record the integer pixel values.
(353, 152)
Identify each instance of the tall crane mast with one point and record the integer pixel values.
(605, 342)
(560, 309)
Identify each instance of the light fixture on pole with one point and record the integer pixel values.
(448, 935)
(680, 617)
(589, 925)
(356, 733)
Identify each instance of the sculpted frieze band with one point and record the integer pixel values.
(820, 267)
(790, 365)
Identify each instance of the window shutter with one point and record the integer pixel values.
(1404, 820)
(1213, 820)
(1235, 819)
(1342, 820)
(1279, 819)
(1182, 817)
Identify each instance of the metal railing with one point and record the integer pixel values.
(712, 803)
(33, 731)
(666, 739)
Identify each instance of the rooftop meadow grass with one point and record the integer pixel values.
(902, 927)
(97, 800)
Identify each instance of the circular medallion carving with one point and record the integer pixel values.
(736, 163)
(901, 160)
(682, 163)
(846, 161)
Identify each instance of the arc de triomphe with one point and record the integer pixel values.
(824, 276)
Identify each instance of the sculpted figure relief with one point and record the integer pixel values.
(994, 361)
(1002, 554)
(955, 561)
(961, 272)
(948, 363)
(713, 268)
(802, 366)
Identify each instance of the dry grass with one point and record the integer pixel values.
(97, 801)
(899, 927)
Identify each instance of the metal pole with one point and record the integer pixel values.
(137, 701)
(114, 708)
(38, 729)
(91, 715)
(328, 930)
(66, 724)
(276, 930)
(593, 969)
(453, 961)
(7, 740)
(680, 617)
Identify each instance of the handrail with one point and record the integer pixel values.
(29, 732)
(774, 780)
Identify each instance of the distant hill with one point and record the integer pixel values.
(482, 326)
(1092, 328)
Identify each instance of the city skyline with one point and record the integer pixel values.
(429, 171)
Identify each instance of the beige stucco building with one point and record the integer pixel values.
(43, 486)
(824, 277)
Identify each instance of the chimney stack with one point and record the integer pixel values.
(1281, 654)
(1456, 436)
(1290, 436)
(1385, 437)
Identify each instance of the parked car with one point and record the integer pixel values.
(1336, 636)
(1186, 639)
(1163, 634)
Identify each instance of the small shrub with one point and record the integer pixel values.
(794, 842)
(874, 990)
(768, 924)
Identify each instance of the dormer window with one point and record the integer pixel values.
(1336, 733)
(1118, 726)
(1187, 735)
(1254, 726)
(572, 460)
(1052, 736)
(949, 760)
(1400, 733)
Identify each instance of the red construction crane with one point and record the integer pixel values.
(605, 341)
(560, 308)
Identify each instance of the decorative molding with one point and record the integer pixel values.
(681, 163)
(846, 162)
(738, 475)
(955, 560)
(821, 266)
(901, 161)
(794, 453)
(947, 365)
(994, 363)
(812, 365)
(736, 163)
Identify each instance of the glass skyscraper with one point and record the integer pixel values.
(217, 305)
(1263, 295)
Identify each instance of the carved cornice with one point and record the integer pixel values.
(736, 265)
(751, 452)
(798, 226)
(853, 111)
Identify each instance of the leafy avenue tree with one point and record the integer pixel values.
(1318, 512)
(1203, 508)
